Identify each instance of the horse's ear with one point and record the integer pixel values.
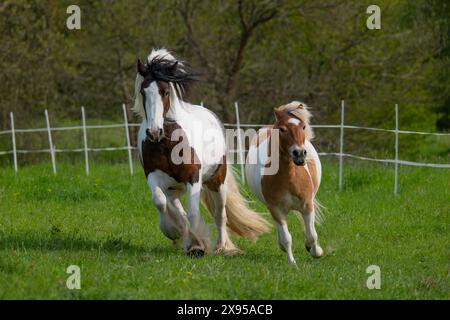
(277, 113)
(141, 68)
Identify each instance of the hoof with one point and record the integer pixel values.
(227, 251)
(231, 252)
(316, 251)
(196, 252)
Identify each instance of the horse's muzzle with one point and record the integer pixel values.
(154, 135)
(299, 156)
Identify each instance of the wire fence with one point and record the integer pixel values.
(241, 150)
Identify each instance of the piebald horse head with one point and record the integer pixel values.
(160, 81)
(292, 121)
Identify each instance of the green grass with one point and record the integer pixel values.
(107, 225)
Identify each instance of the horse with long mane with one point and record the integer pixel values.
(295, 183)
(182, 148)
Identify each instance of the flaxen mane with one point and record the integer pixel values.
(300, 111)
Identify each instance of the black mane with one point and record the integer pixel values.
(161, 69)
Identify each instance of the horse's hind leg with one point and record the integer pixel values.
(311, 243)
(284, 237)
(224, 242)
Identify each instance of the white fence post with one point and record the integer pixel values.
(341, 145)
(86, 154)
(396, 151)
(13, 136)
(127, 133)
(50, 142)
(241, 155)
(201, 103)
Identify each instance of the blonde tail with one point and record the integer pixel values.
(319, 210)
(240, 218)
(318, 213)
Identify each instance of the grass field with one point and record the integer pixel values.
(107, 225)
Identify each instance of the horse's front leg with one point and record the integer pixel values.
(198, 237)
(224, 242)
(172, 218)
(193, 191)
(284, 236)
(159, 199)
(311, 243)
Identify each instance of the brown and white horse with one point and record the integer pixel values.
(295, 184)
(182, 148)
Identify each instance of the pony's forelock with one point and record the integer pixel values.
(299, 110)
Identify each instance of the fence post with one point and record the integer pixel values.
(201, 103)
(341, 144)
(50, 142)
(396, 151)
(127, 133)
(241, 155)
(86, 154)
(13, 136)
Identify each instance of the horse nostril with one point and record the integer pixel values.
(160, 131)
(304, 152)
(295, 153)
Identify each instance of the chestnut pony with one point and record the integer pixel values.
(182, 148)
(295, 184)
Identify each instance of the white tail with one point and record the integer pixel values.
(241, 220)
(318, 213)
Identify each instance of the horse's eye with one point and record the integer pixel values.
(283, 129)
(304, 127)
(166, 94)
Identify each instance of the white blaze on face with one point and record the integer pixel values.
(154, 107)
(294, 121)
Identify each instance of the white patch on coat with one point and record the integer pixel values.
(312, 154)
(196, 120)
(257, 158)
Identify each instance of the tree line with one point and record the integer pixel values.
(260, 53)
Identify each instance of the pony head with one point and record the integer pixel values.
(160, 81)
(292, 121)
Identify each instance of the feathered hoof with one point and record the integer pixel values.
(196, 252)
(229, 252)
